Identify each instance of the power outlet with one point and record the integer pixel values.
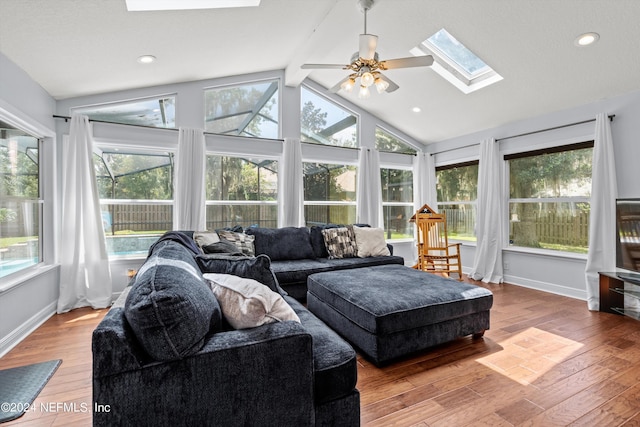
(505, 266)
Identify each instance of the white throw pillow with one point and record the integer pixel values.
(370, 242)
(247, 303)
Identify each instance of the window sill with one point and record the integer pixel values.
(21, 277)
(546, 253)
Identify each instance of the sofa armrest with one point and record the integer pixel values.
(258, 376)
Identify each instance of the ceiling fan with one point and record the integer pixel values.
(366, 66)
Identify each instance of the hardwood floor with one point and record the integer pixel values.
(546, 361)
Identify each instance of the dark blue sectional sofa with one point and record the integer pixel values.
(164, 356)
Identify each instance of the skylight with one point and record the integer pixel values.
(456, 63)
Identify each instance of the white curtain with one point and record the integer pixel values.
(602, 225)
(85, 277)
(290, 180)
(369, 190)
(189, 181)
(487, 263)
(424, 181)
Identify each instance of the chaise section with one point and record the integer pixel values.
(390, 311)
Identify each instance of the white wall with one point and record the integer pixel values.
(554, 272)
(28, 299)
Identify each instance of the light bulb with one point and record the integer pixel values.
(348, 85)
(381, 85)
(364, 92)
(366, 79)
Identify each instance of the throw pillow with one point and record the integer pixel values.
(244, 242)
(340, 242)
(370, 242)
(170, 307)
(317, 239)
(286, 243)
(205, 238)
(246, 303)
(256, 268)
(222, 247)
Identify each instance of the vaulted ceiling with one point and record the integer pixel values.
(73, 48)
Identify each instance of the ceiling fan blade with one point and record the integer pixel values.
(412, 61)
(392, 86)
(324, 66)
(368, 44)
(338, 86)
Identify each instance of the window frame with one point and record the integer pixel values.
(400, 204)
(473, 203)
(544, 149)
(220, 202)
(358, 121)
(84, 108)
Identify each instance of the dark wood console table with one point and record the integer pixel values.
(613, 289)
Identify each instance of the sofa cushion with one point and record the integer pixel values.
(256, 268)
(340, 242)
(243, 241)
(169, 307)
(282, 243)
(247, 303)
(335, 370)
(297, 270)
(370, 242)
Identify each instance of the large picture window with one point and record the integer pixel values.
(457, 187)
(136, 198)
(323, 122)
(397, 202)
(549, 198)
(249, 109)
(329, 193)
(241, 191)
(20, 201)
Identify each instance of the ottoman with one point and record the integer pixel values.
(390, 311)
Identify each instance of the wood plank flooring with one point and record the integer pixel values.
(546, 361)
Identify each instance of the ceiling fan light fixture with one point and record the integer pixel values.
(367, 79)
(348, 85)
(381, 85)
(364, 92)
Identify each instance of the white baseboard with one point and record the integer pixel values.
(547, 287)
(23, 331)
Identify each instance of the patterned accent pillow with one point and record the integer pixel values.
(340, 242)
(244, 242)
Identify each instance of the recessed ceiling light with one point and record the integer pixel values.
(146, 5)
(146, 59)
(586, 39)
(416, 109)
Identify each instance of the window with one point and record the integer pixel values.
(20, 201)
(457, 187)
(241, 191)
(247, 110)
(456, 63)
(397, 202)
(385, 141)
(323, 122)
(155, 112)
(329, 193)
(549, 193)
(136, 192)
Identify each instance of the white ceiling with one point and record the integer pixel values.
(80, 47)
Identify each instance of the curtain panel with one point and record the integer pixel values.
(290, 185)
(487, 263)
(189, 209)
(85, 277)
(369, 188)
(602, 221)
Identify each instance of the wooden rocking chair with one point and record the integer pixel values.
(435, 254)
